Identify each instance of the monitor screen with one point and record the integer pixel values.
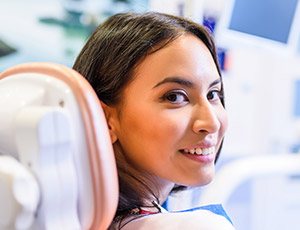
(269, 23)
(271, 19)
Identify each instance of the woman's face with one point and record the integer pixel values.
(171, 122)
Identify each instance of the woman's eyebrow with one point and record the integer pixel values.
(177, 80)
(215, 82)
(184, 82)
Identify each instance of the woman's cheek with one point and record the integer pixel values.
(224, 121)
(173, 125)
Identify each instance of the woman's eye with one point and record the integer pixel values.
(214, 95)
(176, 97)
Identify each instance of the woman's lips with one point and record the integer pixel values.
(203, 155)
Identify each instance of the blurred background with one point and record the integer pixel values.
(259, 51)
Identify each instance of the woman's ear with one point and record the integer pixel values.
(111, 119)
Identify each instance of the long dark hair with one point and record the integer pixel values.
(108, 61)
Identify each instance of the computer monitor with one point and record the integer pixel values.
(263, 23)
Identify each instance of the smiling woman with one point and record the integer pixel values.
(160, 86)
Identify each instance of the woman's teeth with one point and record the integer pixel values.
(200, 151)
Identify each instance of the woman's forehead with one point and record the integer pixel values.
(185, 56)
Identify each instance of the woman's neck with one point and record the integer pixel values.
(165, 187)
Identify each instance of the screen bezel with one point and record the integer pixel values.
(229, 37)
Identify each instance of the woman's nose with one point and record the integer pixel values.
(206, 120)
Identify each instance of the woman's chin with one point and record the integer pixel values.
(196, 183)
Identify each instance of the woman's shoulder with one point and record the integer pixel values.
(204, 218)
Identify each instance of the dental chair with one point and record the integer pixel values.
(57, 167)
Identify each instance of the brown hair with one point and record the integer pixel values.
(108, 61)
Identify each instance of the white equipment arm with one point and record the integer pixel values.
(235, 173)
(19, 195)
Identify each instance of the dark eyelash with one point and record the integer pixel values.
(219, 93)
(166, 95)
